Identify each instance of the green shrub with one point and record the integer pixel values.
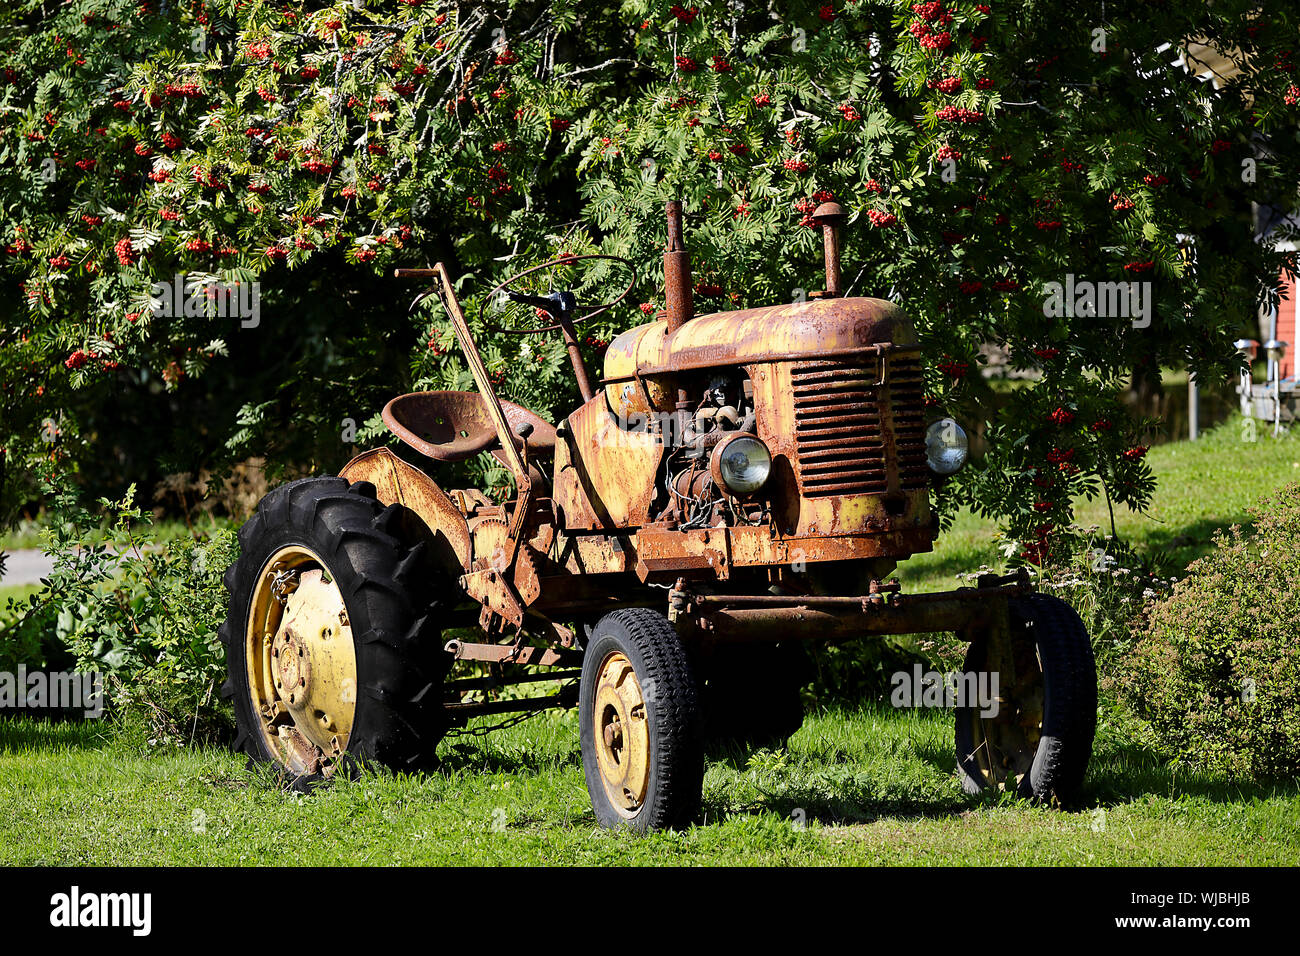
(859, 670)
(1215, 675)
(143, 613)
(21, 645)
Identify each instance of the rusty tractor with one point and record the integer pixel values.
(733, 486)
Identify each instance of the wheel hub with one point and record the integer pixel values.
(292, 669)
(623, 734)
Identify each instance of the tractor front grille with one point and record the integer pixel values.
(842, 434)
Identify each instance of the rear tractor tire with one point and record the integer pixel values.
(640, 724)
(1039, 742)
(332, 641)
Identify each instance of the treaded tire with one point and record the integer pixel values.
(389, 591)
(750, 694)
(676, 761)
(1069, 684)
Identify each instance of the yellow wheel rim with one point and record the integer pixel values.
(622, 732)
(1005, 745)
(302, 666)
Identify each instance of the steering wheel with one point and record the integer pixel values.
(562, 305)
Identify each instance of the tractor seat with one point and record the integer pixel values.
(453, 426)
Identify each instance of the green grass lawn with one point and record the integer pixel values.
(18, 592)
(867, 787)
(27, 533)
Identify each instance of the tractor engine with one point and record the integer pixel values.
(808, 417)
(718, 459)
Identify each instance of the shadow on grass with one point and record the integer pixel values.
(486, 757)
(1126, 772)
(818, 781)
(813, 804)
(1170, 548)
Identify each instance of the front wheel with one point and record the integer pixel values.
(639, 718)
(1039, 741)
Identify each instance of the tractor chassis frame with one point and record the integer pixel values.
(735, 619)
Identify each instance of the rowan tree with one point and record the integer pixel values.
(984, 152)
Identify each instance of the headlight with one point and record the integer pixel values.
(946, 446)
(741, 464)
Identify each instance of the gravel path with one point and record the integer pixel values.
(27, 566)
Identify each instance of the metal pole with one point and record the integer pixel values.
(1246, 380)
(1272, 337)
(829, 215)
(1193, 408)
(1277, 398)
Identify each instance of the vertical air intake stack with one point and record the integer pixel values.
(677, 272)
(829, 215)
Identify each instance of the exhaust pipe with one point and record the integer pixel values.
(679, 304)
(829, 215)
(677, 272)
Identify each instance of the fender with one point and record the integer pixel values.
(397, 482)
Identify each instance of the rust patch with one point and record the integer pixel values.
(397, 482)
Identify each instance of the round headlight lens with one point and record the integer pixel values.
(742, 463)
(946, 446)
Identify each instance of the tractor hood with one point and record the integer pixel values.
(771, 333)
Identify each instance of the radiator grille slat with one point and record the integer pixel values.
(839, 430)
